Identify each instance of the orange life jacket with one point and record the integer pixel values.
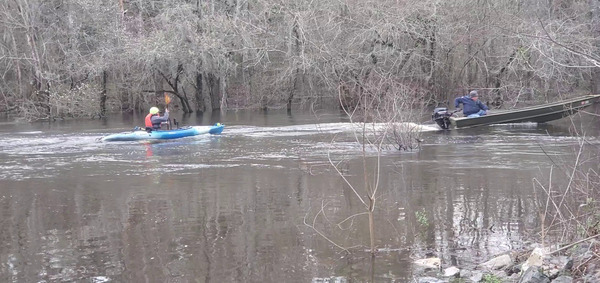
(149, 121)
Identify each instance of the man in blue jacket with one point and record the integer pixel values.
(472, 107)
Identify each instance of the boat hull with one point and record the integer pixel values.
(165, 134)
(539, 114)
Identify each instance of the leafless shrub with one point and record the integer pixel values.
(80, 102)
(382, 116)
(571, 210)
(270, 54)
(569, 203)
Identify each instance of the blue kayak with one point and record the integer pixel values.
(139, 135)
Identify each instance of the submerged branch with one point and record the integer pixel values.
(574, 244)
(349, 218)
(312, 226)
(335, 166)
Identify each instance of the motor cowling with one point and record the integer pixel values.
(441, 116)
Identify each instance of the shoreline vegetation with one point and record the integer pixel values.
(565, 246)
(575, 262)
(62, 59)
(568, 245)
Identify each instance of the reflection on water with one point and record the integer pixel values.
(231, 207)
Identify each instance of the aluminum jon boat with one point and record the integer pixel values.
(539, 114)
(183, 132)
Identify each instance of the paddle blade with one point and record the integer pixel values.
(167, 99)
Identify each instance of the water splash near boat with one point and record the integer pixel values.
(325, 128)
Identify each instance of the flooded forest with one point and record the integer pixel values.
(326, 166)
(86, 58)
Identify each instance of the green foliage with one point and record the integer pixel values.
(591, 224)
(491, 278)
(422, 218)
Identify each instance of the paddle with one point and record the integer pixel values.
(167, 99)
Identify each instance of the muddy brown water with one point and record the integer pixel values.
(235, 207)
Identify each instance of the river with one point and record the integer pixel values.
(237, 207)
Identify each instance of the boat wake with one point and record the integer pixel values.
(325, 128)
(38, 154)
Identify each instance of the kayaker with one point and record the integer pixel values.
(153, 119)
(472, 107)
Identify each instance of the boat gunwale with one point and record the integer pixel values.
(171, 130)
(529, 108)
(516, 119)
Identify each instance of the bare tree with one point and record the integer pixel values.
(263, 54)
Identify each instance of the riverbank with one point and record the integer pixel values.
(576, 262)
(568, 226)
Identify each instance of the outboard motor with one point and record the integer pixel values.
(441, 116)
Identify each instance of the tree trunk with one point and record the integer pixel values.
(37, 71)
(208, 99)
(158, 87)
(432, 45)
(596, 79)
(293, 90)
(372, 224)
(206, 92)
(498, 81)
(295, 35)
(103, 95)
(185, 102)
(214, 86)
(18, 67)
(223, 97)
(595, 13)
(37, 80)
(200, 106)
(471, 67)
